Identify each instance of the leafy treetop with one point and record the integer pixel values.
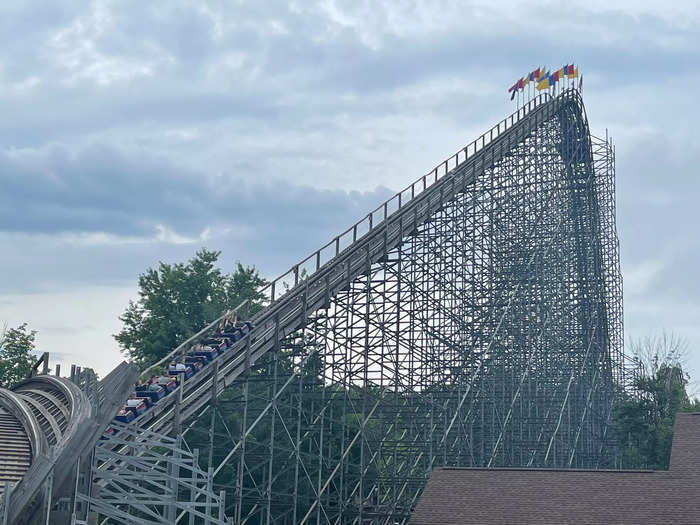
(16, 359)
(177, 300)
(643, 419)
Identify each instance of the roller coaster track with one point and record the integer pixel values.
(293, 299)
(46, 423)
(45, 412)
(39, 413)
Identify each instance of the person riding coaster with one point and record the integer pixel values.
(180, 367)
(152, 390)
(168, 382)
(204, 350)
(232, 328)
(239, 331)
(125, 415)
(195, 362)
(138, 405)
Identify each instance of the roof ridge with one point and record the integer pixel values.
(554, 469)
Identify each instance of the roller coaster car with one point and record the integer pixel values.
(209, 355)
(188, 372)
(239, 331)
(109, 433)
(195, 362)
(218, 344)
(234, 334)
(139, 408)
(153, 395)
(170, 385)
(125, 415)
(244, 327)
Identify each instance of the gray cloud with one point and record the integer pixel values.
(136, 132)
(100, 216)
(102, 190)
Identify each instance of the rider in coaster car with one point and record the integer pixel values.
(153, 385)
(133, 401)
(164, 378)
(181, 366)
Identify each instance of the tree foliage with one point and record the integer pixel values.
(16, 359)
(644, 417)
(177, 300)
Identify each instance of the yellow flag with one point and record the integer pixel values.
(543, 84)
(561, 73)
(574, 74)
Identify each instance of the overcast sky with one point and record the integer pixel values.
(134, 132)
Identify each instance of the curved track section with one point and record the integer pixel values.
(18, 449)
(39, 414)
(20, 438)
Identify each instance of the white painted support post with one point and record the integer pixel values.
(222, 505)
(209, 511)
(193, 490)
(6, 495)
(74, 516)
(48, 494)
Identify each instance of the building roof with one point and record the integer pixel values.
(462, 496)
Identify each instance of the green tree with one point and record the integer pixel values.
(644, 417)
(16, 359)
(177, 300)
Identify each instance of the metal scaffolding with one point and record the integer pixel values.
(141, 477)
(490, 335)
(474, 319)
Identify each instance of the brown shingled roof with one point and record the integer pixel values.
(462, 496)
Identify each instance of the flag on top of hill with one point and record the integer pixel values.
(543, 79)
(546, 82)
(533, 76)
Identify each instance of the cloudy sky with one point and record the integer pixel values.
(134, 132)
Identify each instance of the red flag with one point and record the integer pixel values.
(520, 83)
(556, 76)
(537, 74)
